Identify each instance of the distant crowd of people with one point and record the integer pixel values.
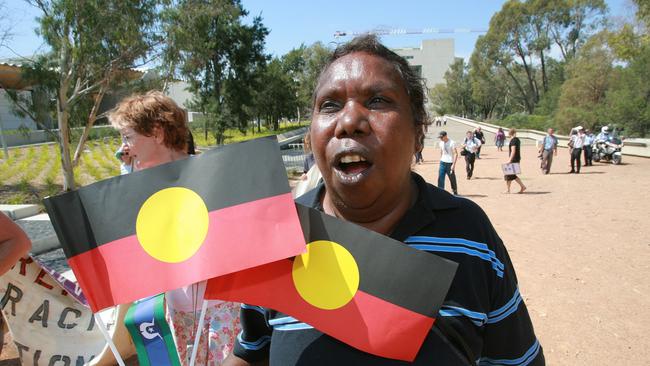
(581, 144)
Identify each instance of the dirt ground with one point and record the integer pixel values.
(580, 245)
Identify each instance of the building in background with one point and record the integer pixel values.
(431, 60)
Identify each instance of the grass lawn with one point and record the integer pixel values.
(34, 172)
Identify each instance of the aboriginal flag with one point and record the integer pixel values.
(144, 233)
(362, 288)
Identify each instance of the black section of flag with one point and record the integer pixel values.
(388, 269)
(225, 176)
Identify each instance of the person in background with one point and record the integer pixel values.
(448, 158)
(604, 135)
(478, 133)
(155, 130)
(514, 156)
(575, 143)
(126, 161)
(547, 150)
(14, 244)
(500, 139)
(587, 147)
(309, 156)
(471, 146)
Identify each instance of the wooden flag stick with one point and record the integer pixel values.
(104, 330)
(197, 336)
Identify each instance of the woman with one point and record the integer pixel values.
(368, 120)
(499, 139)
(514, 151)
(154, 130)
(471, 146)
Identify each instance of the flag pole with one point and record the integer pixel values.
(104, 330)
(197, 336)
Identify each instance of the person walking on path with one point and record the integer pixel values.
(448, 158)
(587, 147)
(547, 150)
(471, 146)
(500, 139)
(478, 134)
(575, 143)
(514, 151)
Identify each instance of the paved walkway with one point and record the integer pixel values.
(580, 244)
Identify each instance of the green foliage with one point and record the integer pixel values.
(303, 65)
(627, 100)
(583, 93)
(222, 59)
(527, 121)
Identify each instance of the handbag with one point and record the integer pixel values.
(463, 152)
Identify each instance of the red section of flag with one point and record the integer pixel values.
(367, 322)
(239, 237)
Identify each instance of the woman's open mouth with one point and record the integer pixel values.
(351, 167)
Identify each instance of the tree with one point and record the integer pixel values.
(459, 92)
(220, 57)
(521, 33)
(489, 84)
(304, 64)
(583, 93)
(277, 96)
(92, 43)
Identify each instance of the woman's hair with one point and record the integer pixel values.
(307, 142)
(415, 85)
(144, 112)
(512, 132)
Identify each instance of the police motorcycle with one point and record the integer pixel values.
(607, 147)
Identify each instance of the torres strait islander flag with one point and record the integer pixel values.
(144, 233)
(360, 287)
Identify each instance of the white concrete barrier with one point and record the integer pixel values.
(632, 146)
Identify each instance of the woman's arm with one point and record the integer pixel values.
(14, 243)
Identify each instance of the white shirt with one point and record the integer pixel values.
(447, 151)
(578, 141)
(472, 144)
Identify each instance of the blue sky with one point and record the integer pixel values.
(294, 22)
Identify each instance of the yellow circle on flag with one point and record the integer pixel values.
(327, 276)
(172, 224)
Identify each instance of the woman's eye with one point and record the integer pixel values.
(329, 106)
(377, 101)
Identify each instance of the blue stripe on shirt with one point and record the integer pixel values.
(524, 360)
(283, 320)
(507, 309)
(295, 326)
(259, 309)
(477, 318)
(462, 250)
(253, 345)
(457, 241)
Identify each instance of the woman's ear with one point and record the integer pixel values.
(158, 135)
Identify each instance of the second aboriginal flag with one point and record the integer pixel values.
(169, 226)
(362, 288)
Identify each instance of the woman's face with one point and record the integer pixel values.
(145, 150)
(363, 134)
(469, 135)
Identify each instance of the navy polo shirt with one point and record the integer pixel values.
(483, 319)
